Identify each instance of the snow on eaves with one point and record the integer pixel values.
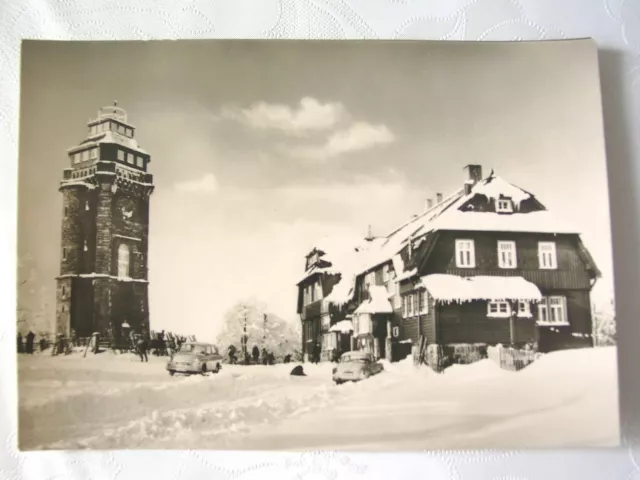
(109, 137)
(452, 288)
(78, 183)
(343, 326)
(378, 301)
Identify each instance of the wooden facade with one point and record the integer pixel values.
(568, 280)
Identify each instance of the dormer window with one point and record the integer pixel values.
(504, 205)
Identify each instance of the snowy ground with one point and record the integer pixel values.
(111, 401)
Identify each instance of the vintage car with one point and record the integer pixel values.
(354, 366)
(195, 357)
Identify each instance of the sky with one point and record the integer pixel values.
(260, 148)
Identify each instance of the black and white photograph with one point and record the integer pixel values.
(314, 245)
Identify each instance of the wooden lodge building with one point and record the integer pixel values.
(487, 265)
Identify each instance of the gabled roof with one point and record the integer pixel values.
(351, 259)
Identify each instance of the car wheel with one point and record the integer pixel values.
(338, 382)
(218, 368)
(172, 372)
(204, 369)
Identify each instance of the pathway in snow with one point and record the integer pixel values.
(567, 398)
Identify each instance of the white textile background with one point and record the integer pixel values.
(615, 24)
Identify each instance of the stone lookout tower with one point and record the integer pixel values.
(105, 229)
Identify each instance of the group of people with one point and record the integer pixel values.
(26, 345)
(257, 356)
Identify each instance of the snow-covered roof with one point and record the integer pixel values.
(378, 301)
(452, 288)
(110, 136)
(353, 258)
(343, 326)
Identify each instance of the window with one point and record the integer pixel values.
(86, 205)
(423, 306)
(465, 254)
(553, 310)
(547, 255)
(85, 155)
(121, 155)
(410, 299)
(66, 211)
(524, 310)
(86, 248)
(93, 153)
(64, 253)
(498, 309)
(130, 158)
(506, 254)
(140, 161)
(64, 291)
(123, 261)
(405, 306)
(504, 206)
(318, 290)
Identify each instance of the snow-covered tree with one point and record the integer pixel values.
(33, 301)
(604, 324)
(248, 323)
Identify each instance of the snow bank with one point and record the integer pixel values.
(452, 288)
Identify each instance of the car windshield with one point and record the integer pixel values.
(191, 348)
(353, 359)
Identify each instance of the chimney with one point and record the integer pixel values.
(369, 236)
(429, 203)
(468, 185)
(474, 173)
(438, 198)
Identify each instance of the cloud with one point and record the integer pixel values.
(206, 184)
(358, 136)
(309, 116)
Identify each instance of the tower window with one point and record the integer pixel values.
(86, 248)
(64, 253)
(121, 155)
(64, 291)
(140, 162)
(66, 211)
(123, 261)
(130, 158)
(86, 205)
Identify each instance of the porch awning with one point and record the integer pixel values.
(378, 301)
(343, 326)
(452, 288)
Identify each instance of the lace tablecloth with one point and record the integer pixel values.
(615, 24)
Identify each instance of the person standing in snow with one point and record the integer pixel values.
(256, 354)
(231, 353)
(142, 345)
(265, 358)
(20, 344)
(30, 337)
